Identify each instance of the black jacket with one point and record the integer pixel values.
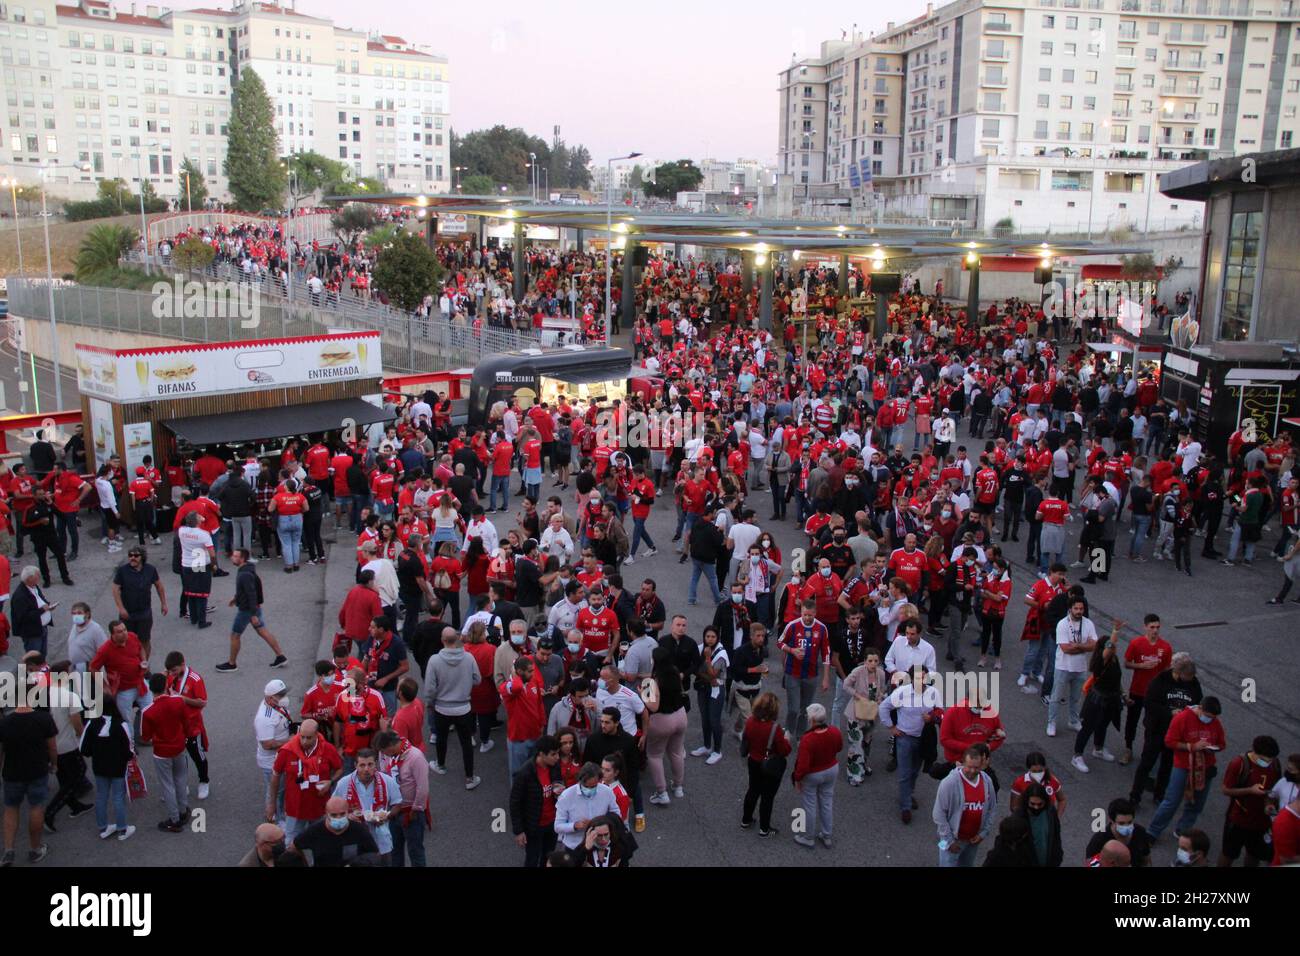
(24, 615)
(1004, 854)
(38, 522)
(237, 498)
(601, 745)
(248, 589)
(108, 755)
(526, 799)
(1165, 696)
(706, 541)
(1054, 852)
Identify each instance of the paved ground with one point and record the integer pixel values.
(1245, 652)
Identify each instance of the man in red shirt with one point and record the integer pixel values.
(1194, 735)
(23, 495)
(1146, 656)
(503, 455)
(987, 486)
(597, 623)
(68, 491)
(525, 713)
(123, 660)
(193, 692)
(207, 469)
(823, 588)
(359, 714)
(1286, 835)
(162, 723)
(909, 563)
(642, 491)
(382, 484)
(308, 766)
(144, 499)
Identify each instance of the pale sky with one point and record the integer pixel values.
(669, 79)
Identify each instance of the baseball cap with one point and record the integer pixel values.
(274, 688)
(139, 469)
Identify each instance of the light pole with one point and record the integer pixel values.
(144, 226)
(1092, 186)
(454, 176)
(609, 229)
(532, 173)
(12, 183)
(49, 280)
(546, 188)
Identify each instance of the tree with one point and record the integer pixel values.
(309, 173)
(101, 248)
(353, 220)
(634, 178)
(478, 185)
(257, 180)
(193, 188)
(192, 254)
(407, 271)
(1140, 266)
(152, 201)
(673, 178)
(356, 187)
(382, 236)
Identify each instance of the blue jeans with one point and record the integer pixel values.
(1141, 527)
(407, 837)
(711, 716)
(710, 571)
(358, 504)
(907, 749)
(501, 482)
(965, 857)
(638, 533)
(114, 789)
(1169, 805)
(1067, 688)
(290, 533)
(1035, 653)
(518, 753)
(1248, 554)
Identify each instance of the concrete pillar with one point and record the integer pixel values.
(882, 318)
(677, 250)
(582, 239)
(973, 290)
(627, 302)
(520, 269)
(482, 231)
(765, 294)
(431, 231)
(746, 272)
(843, 285)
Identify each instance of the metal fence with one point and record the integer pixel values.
(409, 344)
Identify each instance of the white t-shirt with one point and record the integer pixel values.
(1190, 455)
(194, 544)
(743, 535)
(269, 724)
(1068, 632)
(628, 702)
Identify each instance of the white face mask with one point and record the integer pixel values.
(825, 572)
(1037, 776)
(78, 619)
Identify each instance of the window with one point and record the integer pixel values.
(1045, 48)
(1090, 102)
(1239, 273)
(1149, 54)
(1067, 102)
(1044, 74)
(1071, 23)
(1049, 21)
(1284, 142)
(1063, 130)
(1040, 129)
(992, 129)
(1072, 49)
(1067, 76)
(1044, 101)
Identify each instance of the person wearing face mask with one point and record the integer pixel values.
(1247, 780)
(1193, 849)
(318, 703)
(1122, 826)
(564, 614)
(268, 846)
(581, 804)
(805, 642)
(1035, 808)
(1037, 772)
(307, 767)
(1287, 790)
(1194, 735)
(337, 840)
(1013, 846)
(85, 638)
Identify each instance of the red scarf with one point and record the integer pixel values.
(373, 655)
(378, 802)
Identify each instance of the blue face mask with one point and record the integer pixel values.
(1124, 831)
(337, 823)
(517, 639)
(573, 648)
(601, 684)
(1206, 718)
(588, 792)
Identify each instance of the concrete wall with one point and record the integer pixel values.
(39, 341)
(1280, 290)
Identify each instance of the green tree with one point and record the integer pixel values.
(197, 187)
(673, 178)
(353, 220)
(192, 254)
(355, 187)
(407, 271)
(101, 248)
(152, 201)
(478, 185)
(382, 236)
(257, 180)
(636, 178)
(309, 173)
(1140, 266)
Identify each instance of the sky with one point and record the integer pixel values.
(670, 79)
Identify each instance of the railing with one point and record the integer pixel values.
(410, 343)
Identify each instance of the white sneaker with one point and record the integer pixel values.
(1028, 689)
(1076, 725)
(1077, 763)
(486, 745)
(1022, 680)
(652, 552)
(660, 799)
(678, 792)
(203, 791)
(701, 752)
(1051, 730)
(473, 782)
(1076, 564)
(126, 834)
(713, 757)
(108, 831)
(437, 768)
(629, 560)
(1103, 754)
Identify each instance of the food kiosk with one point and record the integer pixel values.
(541, 375)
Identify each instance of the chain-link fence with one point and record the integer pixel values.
(410, 344)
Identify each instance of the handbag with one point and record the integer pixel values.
(136, 787)
(772, 765)
(865, 709)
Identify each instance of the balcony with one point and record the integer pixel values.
(1182, 67)
(995, 26)
(1187, 40)
(1124, 87)
(1000, 57)
(999, 82)
(1125, 61)
(1121, 113)
(1179, 119)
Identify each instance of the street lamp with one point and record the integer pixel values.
(532, 163)
(49, 277)
(12, 185)
(454, 177)
(139, 169)
(609, 231)
(1092, 186)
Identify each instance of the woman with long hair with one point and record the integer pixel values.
(474, 564)
(445, 571)
(766, 746)
(709, 686)
(666, 727)
(937, 580)
(483, 696)
(446, 521)
(570, 755)
(866, 688)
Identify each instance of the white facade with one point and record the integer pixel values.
(1061, 114)
(133, 90)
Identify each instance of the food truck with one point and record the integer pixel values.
(542, 375)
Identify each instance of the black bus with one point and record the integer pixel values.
(594, 374)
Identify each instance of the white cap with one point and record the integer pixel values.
(275, 688)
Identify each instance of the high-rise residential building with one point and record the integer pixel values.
(1053, 114)
(131, 90)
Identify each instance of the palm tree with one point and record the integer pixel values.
(101, 249)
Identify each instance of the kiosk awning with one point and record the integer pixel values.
(277, 422)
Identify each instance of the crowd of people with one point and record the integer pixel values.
(465, 611)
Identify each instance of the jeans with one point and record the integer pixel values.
(1249, 553)
(114, 789)
(1141, 527)
(639, 533)
(241, 532)
(1068, 686)
(1173, 798)
(173, 784)
(518, 753)
(1165, 539)
(710, 572)
(908, 751)
(1035, 654)
(711, 717)
(819, 799)
(799, 693)
(964, 857)
(501, 483)
(838, 702)
(408, 837)
(290, 533)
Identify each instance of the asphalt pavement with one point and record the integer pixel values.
(1244, 649)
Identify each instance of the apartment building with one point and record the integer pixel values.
(1053, 114)
(132, 90)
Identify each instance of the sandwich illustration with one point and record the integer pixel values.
(108, 373)
(176, 373)
(335, 355)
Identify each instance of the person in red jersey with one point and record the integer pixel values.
(359, 714)
(307, 766)
(965, 807)
(186, 684)
(909, 563)
(598, 624)
(163, 725)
